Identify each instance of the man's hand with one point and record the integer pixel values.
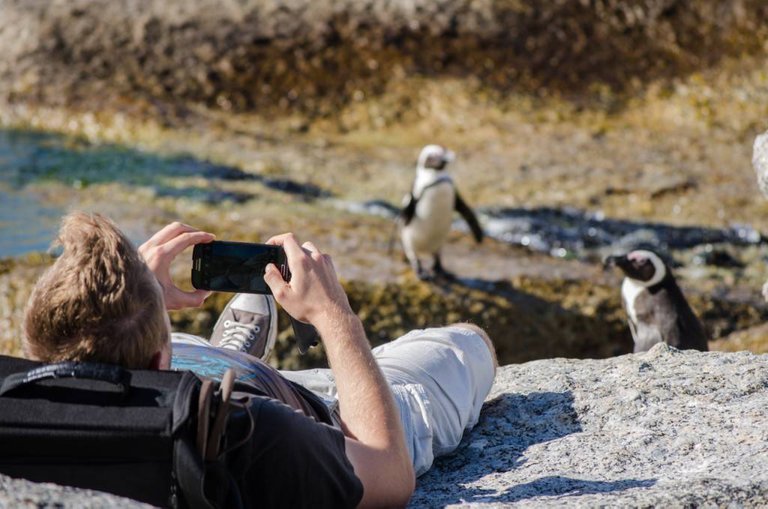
(314, 292)
(158, 253)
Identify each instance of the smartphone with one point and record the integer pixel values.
(238, 267)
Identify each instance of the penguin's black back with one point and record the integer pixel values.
(671, 313)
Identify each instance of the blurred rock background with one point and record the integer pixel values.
(314, 57)
(249, 118)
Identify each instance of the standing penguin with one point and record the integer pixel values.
(655, 305)
(427, 211)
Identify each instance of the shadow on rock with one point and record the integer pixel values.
(509, 424)
(558, 486)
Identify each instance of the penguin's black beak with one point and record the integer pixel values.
(620, 261)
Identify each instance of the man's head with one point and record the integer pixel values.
(99, 301)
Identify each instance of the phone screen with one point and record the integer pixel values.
(235, 266)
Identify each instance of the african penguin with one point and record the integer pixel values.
(655, 305)
(427, 211)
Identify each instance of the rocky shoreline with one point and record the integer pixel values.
(256, 117)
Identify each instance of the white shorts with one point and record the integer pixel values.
(439, 379)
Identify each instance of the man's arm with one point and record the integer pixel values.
(375, 442)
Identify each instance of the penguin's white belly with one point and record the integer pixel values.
(431, 223)
(644, 334)
(630, 290)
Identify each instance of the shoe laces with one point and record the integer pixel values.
(237, 335)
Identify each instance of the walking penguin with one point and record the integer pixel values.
(427, 211)
(655, 305)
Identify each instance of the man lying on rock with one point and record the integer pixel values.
(356, 434)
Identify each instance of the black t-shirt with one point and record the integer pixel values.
(295, 458)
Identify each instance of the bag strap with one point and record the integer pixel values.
(199, 465)
(211, 451)
(114, 375)
(204, 414)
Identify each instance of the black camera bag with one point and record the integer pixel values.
(140, 434)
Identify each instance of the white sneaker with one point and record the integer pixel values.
(248, 324)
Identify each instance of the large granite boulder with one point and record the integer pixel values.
(662, 428)
(658, 429)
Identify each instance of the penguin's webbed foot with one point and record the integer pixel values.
(424, 275)
(444, 274)
(440, 271)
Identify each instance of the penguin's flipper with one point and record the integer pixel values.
(469, 216)
(409, 208)
(691, 331)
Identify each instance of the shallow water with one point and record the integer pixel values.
(27, 224)
(42, 175)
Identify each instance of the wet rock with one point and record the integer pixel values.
(585, 235)
(285, 185)
(717, 256)
(661, 428)
(289, 186)
(209, 196)
(221, 172)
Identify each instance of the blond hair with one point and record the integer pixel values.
(99, 301)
